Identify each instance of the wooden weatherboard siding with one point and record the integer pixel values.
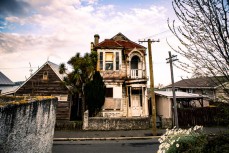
(51, 85)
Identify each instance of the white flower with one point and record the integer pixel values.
(177, 145)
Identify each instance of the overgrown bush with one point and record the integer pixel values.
(179, 141)
(222, 117)
(193, 140)
(217, 144)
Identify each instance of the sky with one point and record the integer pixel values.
(34, 31)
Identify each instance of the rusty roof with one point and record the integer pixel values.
(119, 41)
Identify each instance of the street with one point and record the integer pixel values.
(107, 146)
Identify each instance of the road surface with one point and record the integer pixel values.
(106, 146)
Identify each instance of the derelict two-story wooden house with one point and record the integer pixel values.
(122, 64)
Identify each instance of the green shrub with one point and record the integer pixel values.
(183, 141)
(217, 143)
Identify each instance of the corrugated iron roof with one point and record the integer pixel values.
(179, 94)
(4, 80)
(5, 90)
(55, 68)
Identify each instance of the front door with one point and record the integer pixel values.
(136, 108)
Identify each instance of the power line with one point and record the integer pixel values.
(165, 31)
(16, 67)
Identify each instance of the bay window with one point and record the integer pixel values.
(109, 60)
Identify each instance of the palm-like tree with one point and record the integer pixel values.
(83, 69)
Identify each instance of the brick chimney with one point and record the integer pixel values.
(96, 39)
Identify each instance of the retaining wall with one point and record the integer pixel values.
(27, 127)
(106, 123)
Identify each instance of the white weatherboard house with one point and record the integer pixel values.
(122, 64)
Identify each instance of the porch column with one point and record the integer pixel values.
(130, 102)
(143, 102)
(127, 102)
(146, 102)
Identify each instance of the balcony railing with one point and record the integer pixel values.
(135, 73)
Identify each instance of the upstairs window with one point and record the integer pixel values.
(45, 75)
(109, 61)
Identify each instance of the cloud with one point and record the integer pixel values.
(14, 7)
(66, 25)
(60, 28)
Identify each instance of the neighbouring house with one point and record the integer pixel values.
(164, 104)
(122, 64)
(215, 88)
(47, 81)
(6, 85)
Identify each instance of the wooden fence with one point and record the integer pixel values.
(206, 116)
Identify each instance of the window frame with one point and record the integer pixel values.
(114, 63)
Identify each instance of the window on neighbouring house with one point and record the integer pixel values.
(109, 92)
(101, 60)
(45, 75)
(109, 61)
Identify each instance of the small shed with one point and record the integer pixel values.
(164, 104)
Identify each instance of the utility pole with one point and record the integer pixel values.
(154, 127)
(170, 60)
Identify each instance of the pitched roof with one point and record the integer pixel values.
(4, 80)
(202, 82)
(6, 90)
(53, 66)
(119, 41)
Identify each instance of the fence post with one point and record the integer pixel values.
(85, 120)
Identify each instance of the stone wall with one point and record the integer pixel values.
(167, 123)
(104, 123)
(27, 126)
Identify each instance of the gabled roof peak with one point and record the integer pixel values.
(120, 37)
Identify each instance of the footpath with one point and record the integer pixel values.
(80, 135)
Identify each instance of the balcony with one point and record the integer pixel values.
(136, 74)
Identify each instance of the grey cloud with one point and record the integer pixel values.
(14, 7)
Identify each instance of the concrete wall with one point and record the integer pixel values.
(103, 123)
(164, 108)
(27, 127)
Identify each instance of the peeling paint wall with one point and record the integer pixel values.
(28, 127)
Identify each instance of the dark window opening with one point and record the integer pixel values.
(109, 92)
(134, 62)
